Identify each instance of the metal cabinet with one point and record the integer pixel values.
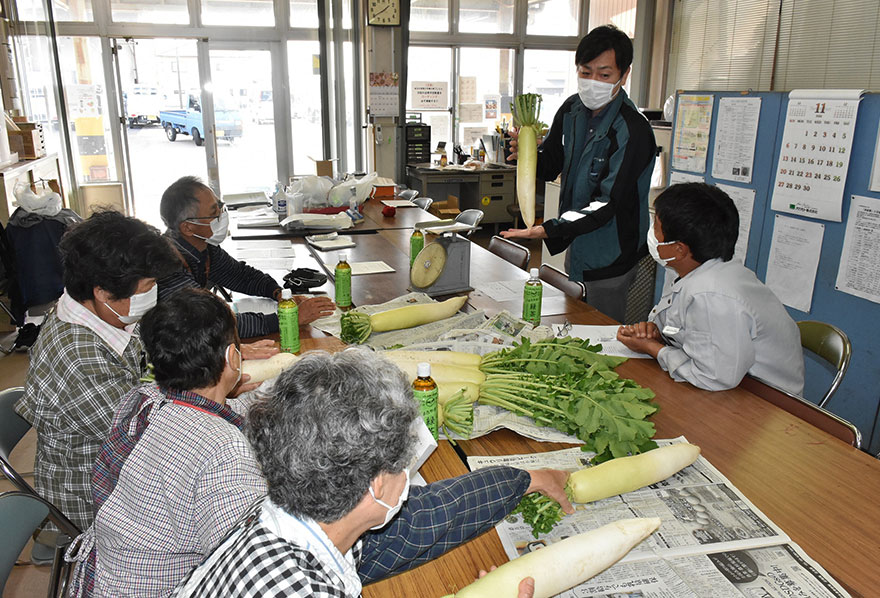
(491, 190)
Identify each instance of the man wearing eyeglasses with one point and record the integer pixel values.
(197, 223)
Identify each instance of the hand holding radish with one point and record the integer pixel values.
(526, 586)
(551, 483)
(263, 349)
(513, 144)
(534, 232)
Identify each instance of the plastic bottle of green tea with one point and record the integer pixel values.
(532, 293)
(288, 322)
(425, 392)
(416, 244)
(342, 282)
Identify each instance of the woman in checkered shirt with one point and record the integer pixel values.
(334, 443)
(176, 471)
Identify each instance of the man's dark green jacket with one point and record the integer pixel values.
(606, 175)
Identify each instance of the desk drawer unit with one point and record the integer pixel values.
(497, 191)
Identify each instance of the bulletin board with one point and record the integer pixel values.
(858, 397)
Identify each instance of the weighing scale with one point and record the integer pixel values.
(443, 267)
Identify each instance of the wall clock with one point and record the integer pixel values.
(383, 12)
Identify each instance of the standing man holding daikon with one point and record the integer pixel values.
(604, 150)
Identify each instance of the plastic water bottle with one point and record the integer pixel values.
(279, 200)
(532, 293)
(288, 322)
(425, 392)
(342, 282)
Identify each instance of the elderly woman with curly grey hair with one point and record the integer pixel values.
(334, 443)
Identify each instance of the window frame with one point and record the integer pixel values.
(330, 33)
(520, 41)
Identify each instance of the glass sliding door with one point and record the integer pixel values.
(306, 120)
(85, 92)
(159, 82)
(244, 117)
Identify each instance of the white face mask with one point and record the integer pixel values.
(653, 244)
(229, 363)
(392, 511)
(219, 228)
(138, 305)
(596, 94)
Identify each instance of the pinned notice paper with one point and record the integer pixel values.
(859, 272)
(794, 260)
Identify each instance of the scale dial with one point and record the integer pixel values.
(428, 265)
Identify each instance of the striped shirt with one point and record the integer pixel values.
(79, 371)
(213, 266)
(256, 559)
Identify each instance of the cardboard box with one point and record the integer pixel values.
(445, 209)
(28, 143)
(324, 167)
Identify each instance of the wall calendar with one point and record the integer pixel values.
(815, 151)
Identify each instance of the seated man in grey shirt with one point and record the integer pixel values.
(717, 322)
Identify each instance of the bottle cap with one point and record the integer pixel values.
(533, 273)
(423, 370)
(286, 294)
(342, 256)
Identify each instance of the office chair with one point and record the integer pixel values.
(640, 295)
(13, 427)
(559, 279)
(423, 202)
(831, 344)
(512, 252)
(20, 515)
(408, 194)
(470, 217)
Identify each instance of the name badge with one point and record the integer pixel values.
(670, 330)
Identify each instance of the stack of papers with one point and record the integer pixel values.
(330, 241)
(253, 198)
(329, 221)
(398, 203)
(259, 218)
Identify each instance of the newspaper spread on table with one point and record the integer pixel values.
(713, 541)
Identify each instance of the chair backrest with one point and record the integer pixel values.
(804, 409)
(423, 202)
(831, 344)
(20, 514)
(408, 194)
(470, 217)
(13, 427)
(514, 253)
(640, 295)
(559, 279)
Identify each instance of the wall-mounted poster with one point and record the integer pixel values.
(430, 95)
(691, 141)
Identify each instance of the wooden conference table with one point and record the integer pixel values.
(822, 492)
